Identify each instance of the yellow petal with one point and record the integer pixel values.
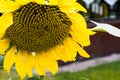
(71, 6)
(91, 32)
(80, 50)
(71, 52)
(60, 53)
(9, 59)
(2, 35)
(41, 70)
(40, 1)
(5, 21)
(8, 6)
(23, 2)
(52, 65)
(47, 60)
(79, 30)
(81, 37)
(53, 2)
(29, 63)
(83, 53)
(53, 53)
(3, 45)
(20, 64)
(65, 1)
(77, 19)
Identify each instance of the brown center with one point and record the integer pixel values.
(38, 27)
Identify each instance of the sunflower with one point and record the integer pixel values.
(34, 34)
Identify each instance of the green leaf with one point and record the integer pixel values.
(1, 60)
(33, 78)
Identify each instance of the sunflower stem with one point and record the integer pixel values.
(42, 77)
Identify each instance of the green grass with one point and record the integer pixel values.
(109, 71)
(5, 76)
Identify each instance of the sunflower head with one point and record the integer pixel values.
(37, 33)
(38, 27)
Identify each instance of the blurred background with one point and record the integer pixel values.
(101, 8)
(103, 11)
(104, 47)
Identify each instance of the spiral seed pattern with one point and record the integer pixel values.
(38, 27)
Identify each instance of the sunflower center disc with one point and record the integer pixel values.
(38, 27)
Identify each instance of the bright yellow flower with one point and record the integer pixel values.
(34, 34)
